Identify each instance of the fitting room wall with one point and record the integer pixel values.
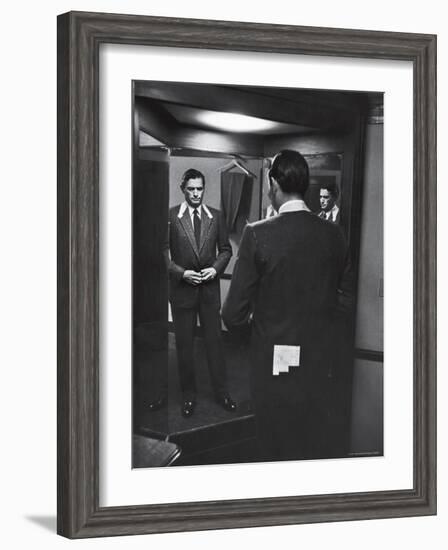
(367, 426)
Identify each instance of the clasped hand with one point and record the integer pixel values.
(198, 277)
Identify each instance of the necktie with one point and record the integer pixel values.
(197, 226)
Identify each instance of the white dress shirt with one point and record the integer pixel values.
(191, 209)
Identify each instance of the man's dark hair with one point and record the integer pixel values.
(192, 174)
(290, 171)
(332, 188)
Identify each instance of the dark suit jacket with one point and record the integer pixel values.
(288, 276)
(182, 252)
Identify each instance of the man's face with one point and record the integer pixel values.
(326, 200)
(194, 191)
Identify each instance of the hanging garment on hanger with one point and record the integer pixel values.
(236, 197)
(236, 164)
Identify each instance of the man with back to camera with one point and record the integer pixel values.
(197, 253)
(328, 196)
(286, 284)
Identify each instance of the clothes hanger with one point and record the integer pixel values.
(235, 163)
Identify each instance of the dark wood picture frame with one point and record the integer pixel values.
(79, 38)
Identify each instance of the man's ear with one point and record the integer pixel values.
(275, 186)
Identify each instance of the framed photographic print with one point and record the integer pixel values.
(246, 274)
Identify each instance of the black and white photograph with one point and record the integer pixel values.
(257, 274)
(223, 277)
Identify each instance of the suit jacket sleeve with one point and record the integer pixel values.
(175, 271)
(224, 247)
(237, 309)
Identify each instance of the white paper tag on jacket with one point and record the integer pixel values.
(285, 357)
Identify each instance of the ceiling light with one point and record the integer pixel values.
(232, 122)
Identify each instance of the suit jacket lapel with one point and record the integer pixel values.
(206, 223)
(185, 221)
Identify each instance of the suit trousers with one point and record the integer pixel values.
(184, 325)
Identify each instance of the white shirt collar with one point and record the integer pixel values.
(184, 206)
(332, 214)
(294, 205)
(191, 210)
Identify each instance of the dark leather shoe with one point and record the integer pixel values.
(158, 403)
(227, 403)
(188, 408)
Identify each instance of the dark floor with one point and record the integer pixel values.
(211, 435)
